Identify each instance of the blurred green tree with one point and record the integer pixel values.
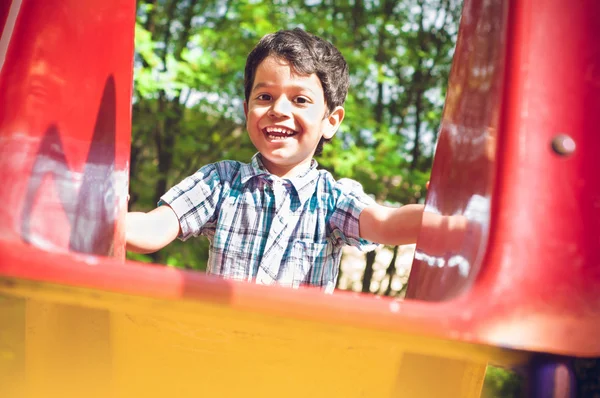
(188, 93)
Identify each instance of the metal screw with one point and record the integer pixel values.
(563, 145)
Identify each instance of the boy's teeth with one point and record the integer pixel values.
(278, 132)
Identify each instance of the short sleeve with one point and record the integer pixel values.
(195, 200)
(351, 201)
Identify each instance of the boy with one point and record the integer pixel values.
(278, 219)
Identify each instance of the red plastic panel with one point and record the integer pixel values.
(5, 7)
(542, 271)
(464, 168)
(539, 282)
(65, 122)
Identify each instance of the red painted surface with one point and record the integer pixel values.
(542, 269)
(537, 284)
(523, 73)
(65, 82)
(462, 177)
(4, 9)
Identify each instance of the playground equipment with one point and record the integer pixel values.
(517, 154)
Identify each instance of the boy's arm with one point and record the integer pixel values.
(149, 232)
(391, 225)
(401, 225)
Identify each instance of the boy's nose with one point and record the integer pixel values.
(281, 107)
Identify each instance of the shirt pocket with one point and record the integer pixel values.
(314, 263)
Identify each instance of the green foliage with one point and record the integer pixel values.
(188, 91)
(501, 383)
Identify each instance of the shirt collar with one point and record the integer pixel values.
(253, 169)
(304, 184)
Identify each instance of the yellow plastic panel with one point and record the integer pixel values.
(12, 346)
(68, 350)
(82, 342)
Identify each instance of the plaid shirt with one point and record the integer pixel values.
(268, 229)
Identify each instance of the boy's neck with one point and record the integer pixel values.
(284, 171)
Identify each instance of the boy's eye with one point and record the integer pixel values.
(263, 97)
(302, 100)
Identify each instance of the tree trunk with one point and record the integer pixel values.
(391, 271)
(416, 151)
(368, 275)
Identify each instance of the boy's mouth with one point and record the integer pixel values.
(278, 133)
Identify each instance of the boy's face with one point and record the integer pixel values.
(286, 116)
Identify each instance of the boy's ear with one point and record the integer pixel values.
(332, 122)
(246, 109)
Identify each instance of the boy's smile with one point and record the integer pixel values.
(286, 116)
(278, 132)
